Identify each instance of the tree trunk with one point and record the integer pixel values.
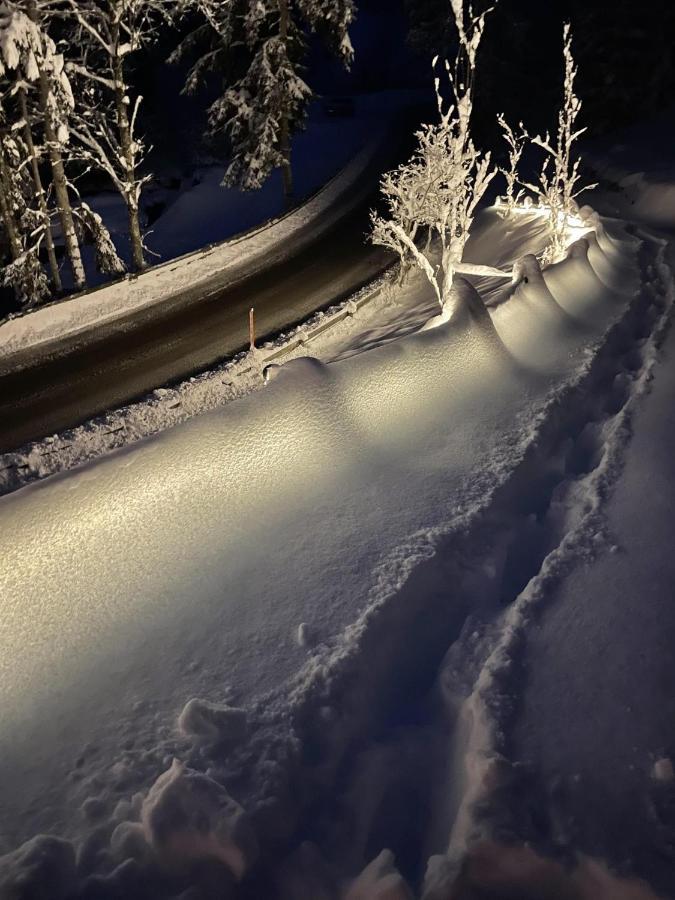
(129, 154)
(285, 134)
(63, 199)
(8, 220)
(59, 176)
(138, 257)
(40, 193)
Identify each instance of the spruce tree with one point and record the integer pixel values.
(259, 48)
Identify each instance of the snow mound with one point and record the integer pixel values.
(42, 869)
(212, 724)
(305, 369)
(527, 269)
(466, 310)
(188, 817)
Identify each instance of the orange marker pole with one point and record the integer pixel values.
(251, 327)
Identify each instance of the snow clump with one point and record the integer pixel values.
(188, 817)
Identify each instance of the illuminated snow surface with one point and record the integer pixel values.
(315, 593)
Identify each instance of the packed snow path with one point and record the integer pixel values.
(355, 513)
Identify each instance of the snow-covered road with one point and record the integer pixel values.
(298, 544)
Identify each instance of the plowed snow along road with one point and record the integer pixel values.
(155, 347)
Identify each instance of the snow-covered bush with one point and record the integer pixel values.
(558, 183)
(431, 200)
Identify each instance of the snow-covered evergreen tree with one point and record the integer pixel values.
(432, 199)
(110, 32)
(267, 100)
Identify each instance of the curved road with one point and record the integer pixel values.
(152, 348)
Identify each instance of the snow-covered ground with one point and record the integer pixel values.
(319, 600)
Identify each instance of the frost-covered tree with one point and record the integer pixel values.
(516, 144)
(109, 33)
(29, 57)
(267, 99)
(431, 200)
(40, 193)
(558, 184)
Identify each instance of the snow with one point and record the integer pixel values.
(187, 816)
(379, 881)
(213, 724)
(45, 861)
(637, 166)
(319, 598)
